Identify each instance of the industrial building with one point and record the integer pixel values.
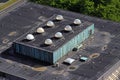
(36, 48)
(33, 36)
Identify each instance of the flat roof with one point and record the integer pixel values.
(17, 22)
(50, 32)
(108, 58)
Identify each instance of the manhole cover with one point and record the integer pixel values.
(5, 41)
(72, 68)
(12, 33)
(94, 55)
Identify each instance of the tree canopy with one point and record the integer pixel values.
(106, 9)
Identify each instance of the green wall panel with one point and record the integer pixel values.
(72, 43)
(33, 52)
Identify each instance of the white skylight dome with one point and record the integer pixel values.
(77, 21)
(30, 37)
(59, 17)
(48, 42)
(68, 28)
(58, 35)
(40, 30)
(50, 23)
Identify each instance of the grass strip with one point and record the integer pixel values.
(7, 4)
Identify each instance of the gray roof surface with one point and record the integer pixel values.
(21, 23)
(50, 32)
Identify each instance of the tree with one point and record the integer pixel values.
(107, 9)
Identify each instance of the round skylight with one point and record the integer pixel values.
(68, 28)
(48, 42)
(50, 23)
(77, 21)
(59, 17)
(30, 37)
(40, 30)
(58, 35)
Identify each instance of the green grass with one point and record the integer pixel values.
(7, 4)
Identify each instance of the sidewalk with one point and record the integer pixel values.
(12, 7)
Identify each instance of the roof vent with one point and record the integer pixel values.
(40, 30)
(50, 23)
(59, 17)
(69, 60)
(48, 42)
(58, 35)
(30, 37)
(68, 28)
(77, 21)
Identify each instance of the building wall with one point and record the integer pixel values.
(72, 43)
(33, 52)
(5, 76)
(56, 55)
(111, 74)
